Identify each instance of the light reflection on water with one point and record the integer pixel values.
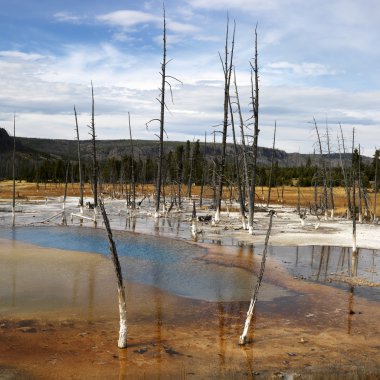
(178, 267)
(171, 265)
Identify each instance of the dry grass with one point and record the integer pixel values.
(28, 190)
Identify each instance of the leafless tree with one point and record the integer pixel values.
(344, 171)
(377, 157)
(271, 163)
(255, 109)
(325, 201)
(161, 120)
(227, 70)
(79, 164)
(132, 165)
(244, 147)
(237, 168)
(14, 173)
(255, 290)
(94, 159)
(123, 329)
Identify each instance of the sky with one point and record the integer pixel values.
(317, 59)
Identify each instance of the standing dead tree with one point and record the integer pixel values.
(93, 137)
(79, 164)
(325, 201)
(227, 70)
(331, 188)
(237, 168)
(244, 148)
(133, 184)
(161, 120)
(377, 158)
(271, 163)
(14, 173)
(255, 291)
(344, 171)
(255, 109)
(123, 330)
(353, 171)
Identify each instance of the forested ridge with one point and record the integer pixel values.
(46, 160)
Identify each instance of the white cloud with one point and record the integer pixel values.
(301, 69)
(245, 5)
(19, 55)
(67, 17)
(125, 19)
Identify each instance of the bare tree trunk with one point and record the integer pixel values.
(65, 194)
(377, 157)
(354, 248)
(345, 177)
(271, 163)
(255, 106)
(255, 292)
(360, 211)
(123, 329)
(227, 69)
(214, 176)
(203, 175)
(14, 173)
(162, 122)
(79, 163)
(245, 162)
(95, 162)
(132, 165)
(331, 189)
(239, 185)
(325, 202)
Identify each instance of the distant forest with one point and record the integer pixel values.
(45, 160)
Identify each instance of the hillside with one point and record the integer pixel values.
(63, 149)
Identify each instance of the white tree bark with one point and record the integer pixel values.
(243, 337)
(123, 328)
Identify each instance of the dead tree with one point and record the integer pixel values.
(123, 329)
(204, 168)
(227, 70)
(79, 164)
(360, 211)
(325, 202)
(377, 157)
(132, 166)
(64, 222)
(331, 188)
(271, 163)
(14, 173)
(94, 159)
(244, 149)
(255, 291)
(353, 171)
(161, 120)
(237, 168)
(344, 171)
(255, 108)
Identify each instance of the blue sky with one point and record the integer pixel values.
(316, 59)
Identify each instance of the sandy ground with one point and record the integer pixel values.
(320, 330)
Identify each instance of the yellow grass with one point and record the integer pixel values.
(28, 190)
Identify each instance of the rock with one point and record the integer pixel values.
(28, 329)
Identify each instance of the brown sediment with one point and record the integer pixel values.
(318, 329)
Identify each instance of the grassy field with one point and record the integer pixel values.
(28, 190)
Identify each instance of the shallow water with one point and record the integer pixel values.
(171, 265)
(178, 267)
(329, 265)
